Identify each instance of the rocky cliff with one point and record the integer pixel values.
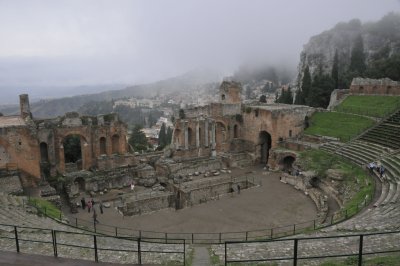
(381, 39)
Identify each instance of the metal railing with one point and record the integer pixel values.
(300, 249)
(219, 237)
(93, 242)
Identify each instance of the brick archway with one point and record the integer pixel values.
(86, 151)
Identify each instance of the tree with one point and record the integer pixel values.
(182, 114)
(335, 70)
(138, 139)
(286, 96)
(169, 135)
(162, 137)
(263, 99)
(357, 59)
(303, 93)
(320, 92)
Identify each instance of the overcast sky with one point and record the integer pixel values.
(86, 42)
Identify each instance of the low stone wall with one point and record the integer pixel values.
(204, 193)
(168, 167)
(107, 162)
(157, 202)
(315, 194)
(11, 184)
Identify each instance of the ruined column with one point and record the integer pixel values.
(206, 133)
(186, 136)
(213, 135)
(24, 106)
(213, 151)
(197, 134)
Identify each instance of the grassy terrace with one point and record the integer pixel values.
(376, 106)
(45, 207)
(355, 177)
(338, 125)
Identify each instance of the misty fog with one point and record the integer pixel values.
(48, 46)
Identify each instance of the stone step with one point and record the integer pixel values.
(385, 190)
(390, 194)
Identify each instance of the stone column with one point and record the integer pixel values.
(186, 136)
(213, 135)
(197, 134)
(62, 159)
(206, 133)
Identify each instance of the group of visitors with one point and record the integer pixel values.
(374, 166)
(90, 205)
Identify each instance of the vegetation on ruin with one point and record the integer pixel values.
(45, 207)
(369, 105)
(339, 125)
(137, 139)
(355, 179)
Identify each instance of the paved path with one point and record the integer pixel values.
(270, 205)
(201, 256)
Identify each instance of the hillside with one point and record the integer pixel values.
(55, 107)
(333, 58)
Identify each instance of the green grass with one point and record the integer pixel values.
(355, 177)
(376, 106)
(45, 207)
(338, 125)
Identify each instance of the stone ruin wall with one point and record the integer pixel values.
(280, 124)
(383, 86)
(154, 203)
(20, 150)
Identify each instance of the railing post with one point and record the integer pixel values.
(226, 255)
(294, 229)
(116, 231)
(360, 250)
(272, 233)
(314, 224)
(166, 238)
(247, 235)
(220, 237)
(16, 238)
(184, 252)
(295, 252)
(345, 213)
(96, 257)
(139, 252)
(53, 236)
(192, 238)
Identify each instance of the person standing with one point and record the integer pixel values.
(83, 203)
(101, 207)
(89, 205)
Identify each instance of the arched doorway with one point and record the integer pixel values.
(177, 138)
(115, 144)
(191, 138)
(44, 152)
(235, 131)
(103, 146)
(264, 139)
(80, 182)
(220, 134)
(200, 141)
(287, 163)
(72, 151)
